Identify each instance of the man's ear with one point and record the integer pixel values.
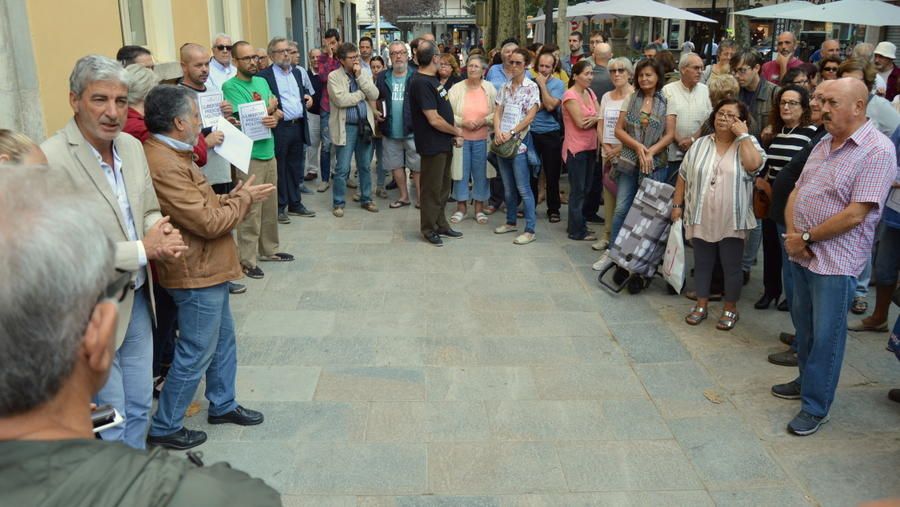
(99, 340)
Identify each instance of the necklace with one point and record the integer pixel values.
(789, 132)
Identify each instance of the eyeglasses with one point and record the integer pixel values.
(223, 47)
(251, 58)
(351, 57)
(617, 71)
(801, 83)
(281, 51)
(742, 70)
(118, 288)
(517, 62)
(397, 53)
(789, 103)
(727, 116)
(829, 69)
(695, 67)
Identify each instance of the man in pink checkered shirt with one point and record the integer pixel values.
(831, 217)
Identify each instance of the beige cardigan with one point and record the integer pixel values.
(457, 96)
(341, 98)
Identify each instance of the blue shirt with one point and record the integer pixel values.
(289, 93)
(398, 90)
(359, 111)
(498, 78)
(547, 121)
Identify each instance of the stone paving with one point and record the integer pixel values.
(482, 373)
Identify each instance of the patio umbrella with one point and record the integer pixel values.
(774, 11)
(384, 26)
(639, 8)
(857, 12)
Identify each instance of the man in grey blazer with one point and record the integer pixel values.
(110, 168)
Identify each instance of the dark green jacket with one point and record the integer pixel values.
(75, 473)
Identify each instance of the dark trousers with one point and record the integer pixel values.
(729, 251)
(435, 182)
(771, 259)
(549, 148)
(581, 174)
(290, 156)
(498, 194)
(164, 331)
(593, 196)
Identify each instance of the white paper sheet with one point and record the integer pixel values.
(210, 108)
(251, 115)
(235, 147)
(610, 118)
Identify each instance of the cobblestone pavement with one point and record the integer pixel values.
(482, 373)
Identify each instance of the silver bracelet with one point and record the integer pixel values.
(743, 136)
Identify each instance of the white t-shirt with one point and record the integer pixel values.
(609, 109)
(690, 108)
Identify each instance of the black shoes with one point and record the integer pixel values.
(301, 212)
(786, 338)
(240, 416)
(236, 288)
(783, 306)
(450, 233)
(180, 440)
(253, 272)
(786, 358)
(765, 301)
(595, 219)
(788, 391)
(433, 238)
(746, 277)
(894, 395)
(392, 185)
(283, 218)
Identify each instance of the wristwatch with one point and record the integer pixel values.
(807, 238)
(512, 132)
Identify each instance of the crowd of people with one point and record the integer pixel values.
(795, 158)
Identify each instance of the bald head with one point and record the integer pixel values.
(844, 106)
(194, 65)
(602, 51)
(786, 43)
(830, 47)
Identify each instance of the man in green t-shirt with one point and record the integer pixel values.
(258, 234)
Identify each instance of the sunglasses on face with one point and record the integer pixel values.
(616, 71)
(223, 47)
(830, 69)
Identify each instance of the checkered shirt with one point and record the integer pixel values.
(860, 170)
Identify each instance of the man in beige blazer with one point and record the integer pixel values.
(110, 168)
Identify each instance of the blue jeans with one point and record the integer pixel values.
(819, 312)
(751, 247)
(626, 189)
(787, 274)
(129, 387)
(325, 134)
(206, 344)
(363, 154)
(474, 168)
(862, 281)
(517, 184)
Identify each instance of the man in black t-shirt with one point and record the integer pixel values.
(435, 135)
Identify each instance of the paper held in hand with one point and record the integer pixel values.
(235, 147)
(210, 108)
(251, 115)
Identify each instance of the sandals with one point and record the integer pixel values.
(859, 306)
(457, 217)
(489, 210)
(398, 204)
(553, 217)
(481, 218)
(697, 315)
(727, 321)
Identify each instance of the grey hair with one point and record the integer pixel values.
(274, 41)
(164, 104)
(482, 61)
(625, 63)
(220, 35)
(294, 44)
(142, 81)
(683, 61)
(398, 43)
(507, 45)
(92, 68)
(55, 262)
(864, 51)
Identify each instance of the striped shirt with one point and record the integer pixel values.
(786, 145)
(860, 170)
(698, 169)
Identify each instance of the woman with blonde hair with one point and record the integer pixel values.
(17, 148)
(448, 70)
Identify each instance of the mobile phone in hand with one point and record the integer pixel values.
(105, 417)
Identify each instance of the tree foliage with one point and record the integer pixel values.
(390, 9)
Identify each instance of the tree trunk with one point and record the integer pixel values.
(562, 28)
(742, 25)
(509, 21)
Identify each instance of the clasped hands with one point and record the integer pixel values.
(163, 241)
(796, 247)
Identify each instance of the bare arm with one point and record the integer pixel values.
(438, 123)
(750, 157)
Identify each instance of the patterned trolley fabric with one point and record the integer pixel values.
(641, 242)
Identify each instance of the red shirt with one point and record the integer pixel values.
(771, 71)
(135, 126)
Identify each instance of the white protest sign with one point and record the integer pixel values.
(235, 147)
(210, 108)
(610, 118)
(251, 115)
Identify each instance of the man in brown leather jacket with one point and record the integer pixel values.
(198, 280)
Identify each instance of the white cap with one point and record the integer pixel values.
(886, 49)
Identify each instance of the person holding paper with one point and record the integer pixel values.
(352, 125)
(292, 132)
(258, 233)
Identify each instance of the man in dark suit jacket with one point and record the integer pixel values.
(291, 133)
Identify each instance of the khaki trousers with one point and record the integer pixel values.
(435, 183)
(258, 233)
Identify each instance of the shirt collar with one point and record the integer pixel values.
(283, 72)
(116, 160)
(174, 143)
(219, 66)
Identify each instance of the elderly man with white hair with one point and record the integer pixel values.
(111, 169)
(688, 101)
(221, 66)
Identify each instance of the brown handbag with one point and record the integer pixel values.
(762, 199)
